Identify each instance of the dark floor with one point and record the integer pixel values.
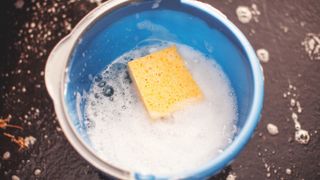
(30, 29)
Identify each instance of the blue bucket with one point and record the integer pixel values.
(118, 26)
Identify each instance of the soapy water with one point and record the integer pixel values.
(122, 134)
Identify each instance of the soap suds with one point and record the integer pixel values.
(6, 155)
(263, 55)
(284, 28)
(231, 176)
(301, 135)
(311, 45)
(37, 172)
(255, 12)
(125, 137)
(98, 2)
(272, 129)
(288, 171)
(246, 14)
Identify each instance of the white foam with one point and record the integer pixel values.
(125, 137)
(244, 14)
(263, 55)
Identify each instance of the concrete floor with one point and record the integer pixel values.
(29, 30)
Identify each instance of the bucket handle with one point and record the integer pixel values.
(55, 67)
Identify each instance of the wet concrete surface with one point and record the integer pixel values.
(289, 30)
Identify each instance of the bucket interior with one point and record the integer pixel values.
(143, 23)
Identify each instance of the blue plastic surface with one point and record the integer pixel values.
(137, 25)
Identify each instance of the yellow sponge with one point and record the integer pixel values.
(163, 82)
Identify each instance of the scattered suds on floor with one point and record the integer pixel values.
(245, 14)
(263, 55)
(231, 176)
(301, 136)
(37, 172)
(272, 129)
(311, 45)
(6, 155)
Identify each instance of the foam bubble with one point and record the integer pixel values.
(125, 137)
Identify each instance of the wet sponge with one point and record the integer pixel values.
(163, 82)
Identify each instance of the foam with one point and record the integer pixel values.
(122, 134)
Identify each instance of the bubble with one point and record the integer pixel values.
(90, 124)
(108, 91)
(116, 67)
(102, 84)
(98, 78)
(127, 77)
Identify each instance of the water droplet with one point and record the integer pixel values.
(299, 107)
(284, 95)
(294, 116)
(268, 174)
(37, 172)
(292, 102)
(288, 171)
